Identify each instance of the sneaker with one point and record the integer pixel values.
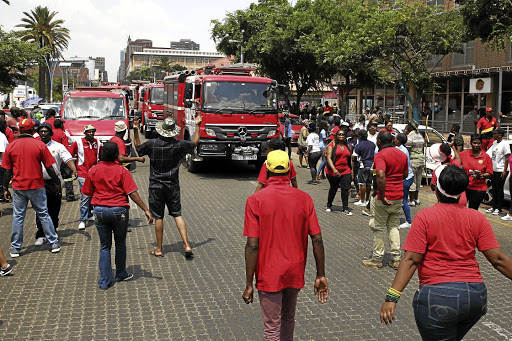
(127, 278)
(55, 248)
(372, 263)
(417, 201)
(489, 210)
(15, 254)
(506, 217)
(412, 203)
(6, 271)
(359, 203)
(40, 241)
(81, 226)
(394, 264)
(366, 212)
(347, 211)
(405, 225)
(496, 212)
(91, 218)
(328, 209)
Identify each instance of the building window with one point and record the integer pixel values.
(435, 2)
(465, 58)
(435, 62)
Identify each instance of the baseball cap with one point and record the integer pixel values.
(488, 109)
(120, 126)
(89, 127)
(278, 161)
(499, 131)
(26, 124)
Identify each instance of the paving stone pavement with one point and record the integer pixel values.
(55, 296)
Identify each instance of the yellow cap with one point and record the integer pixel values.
(278, 161)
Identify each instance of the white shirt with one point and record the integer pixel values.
(3, 144)
(60, 154)
(498, 152)
(313, 140)
(373, 138)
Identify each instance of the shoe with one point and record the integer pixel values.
(15, 254)
(359, 203)
(81, 226)
(56, 248)
(407, 225)
(6, 271)
(418, 202)
(347, 211)
(412, 203)
(489, 210)
(328, 209)
(372, 263)
(70, 199)
(40, 241)
(322, 177)
(366, 212)
(91, 218)
(394, 264)
(127, 278)
(506, 217)
(496, 212)
(318, 176)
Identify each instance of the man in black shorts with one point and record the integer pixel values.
(166, 154)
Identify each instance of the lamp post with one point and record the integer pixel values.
(241, 47)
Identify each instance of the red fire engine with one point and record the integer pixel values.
(239, 112)
(151, 106)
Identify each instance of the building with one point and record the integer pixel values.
(184, 44)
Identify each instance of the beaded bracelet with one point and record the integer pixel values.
(392, 295)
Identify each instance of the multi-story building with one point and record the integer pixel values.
(184, 44)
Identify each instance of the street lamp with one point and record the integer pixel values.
(241, 47)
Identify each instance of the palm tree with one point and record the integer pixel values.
(40, 26)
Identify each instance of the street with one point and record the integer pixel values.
(56, 296)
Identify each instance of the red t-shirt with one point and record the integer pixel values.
(9, 134)
(24, 156)
(483, 163)
(487, 126)
(282, 217)
(262, 177)
(120, 144)
(61, 137)
(109, 184)
(51, 121)
(90, 157)
(448, 245)
(394, 163)
(342, 162)
(333, 133)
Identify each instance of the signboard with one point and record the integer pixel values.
(480, 85)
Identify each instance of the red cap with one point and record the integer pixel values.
(26, 124)
(488, 109)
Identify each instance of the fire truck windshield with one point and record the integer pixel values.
(101, 108)
(157, 96)
(238, 95)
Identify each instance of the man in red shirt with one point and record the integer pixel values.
(278, 220)
(51, 113)
(22, 161)
(87, 151)
(485, 127)
(123, 158)
(392, 167)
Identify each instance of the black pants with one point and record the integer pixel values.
(474, 198)
(336, 182)
(53, 202)
(498, 183)
(313, 161)
(288, 144)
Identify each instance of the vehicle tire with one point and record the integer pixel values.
(191, 165)
(147, 133)
(258, 163)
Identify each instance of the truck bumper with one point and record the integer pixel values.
(230, 150)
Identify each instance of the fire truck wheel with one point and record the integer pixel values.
(191, 165)
(148, 133)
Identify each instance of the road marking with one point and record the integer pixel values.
(501, 331)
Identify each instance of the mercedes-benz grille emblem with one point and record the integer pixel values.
(242, 131)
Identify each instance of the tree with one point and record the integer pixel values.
(41, 27)
(489, 20)
(15, 57)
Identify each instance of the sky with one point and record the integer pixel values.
(100, 28)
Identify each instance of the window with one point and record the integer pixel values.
(465, 58)
(435, 62)
(435, 2)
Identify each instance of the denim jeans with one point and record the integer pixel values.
(405, 202)
(85, 203)
(111, 220)
(278, 310)
(323, 163)
(447, 311)
(20, 200)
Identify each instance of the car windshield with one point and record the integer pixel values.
(77, 108)
(157, 96)
(238, 95)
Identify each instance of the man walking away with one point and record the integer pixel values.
(278, 220)
(288, 134)
(166, 153)
(499, 153)
(22, 161)
(364, 153)
(123, 158)
(415, 145)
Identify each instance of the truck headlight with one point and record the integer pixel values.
(210, 132)
(272, 133)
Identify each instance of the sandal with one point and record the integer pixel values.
(153, 253)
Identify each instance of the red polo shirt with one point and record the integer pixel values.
(90, 156)
(487, 126)
(51, 121)
(394, 163)
(9, 134)
(120, 144)
(109, 184)
(61, 137)
(483, 163)
(24, 156)
(262, 177)
(281, 217)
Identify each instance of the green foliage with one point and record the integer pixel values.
(489, 20)
(15, 57)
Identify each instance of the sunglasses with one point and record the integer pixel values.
(340, 135)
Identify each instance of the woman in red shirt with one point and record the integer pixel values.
(478, 165)
(339, 170)
(109, 184)
(452, 296)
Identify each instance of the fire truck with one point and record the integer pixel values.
(151, 102)
(239, 112)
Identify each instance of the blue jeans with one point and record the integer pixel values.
(447, 311)
(20, 200)
(322, 164)
(406, 208)
(111, 220)
(85, 203)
